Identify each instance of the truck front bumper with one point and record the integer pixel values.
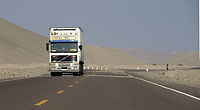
(64, 70)
(64, 67)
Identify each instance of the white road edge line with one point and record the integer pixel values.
(174, 90)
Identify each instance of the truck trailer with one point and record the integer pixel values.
(65, 49)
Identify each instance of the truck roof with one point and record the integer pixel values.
(66, 27)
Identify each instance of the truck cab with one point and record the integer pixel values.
(65, 49)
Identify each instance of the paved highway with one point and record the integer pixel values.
(94, 91)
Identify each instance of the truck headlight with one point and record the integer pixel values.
(75, 67)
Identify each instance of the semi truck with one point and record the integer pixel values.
(65, 48)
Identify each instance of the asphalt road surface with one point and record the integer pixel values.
(93, 91)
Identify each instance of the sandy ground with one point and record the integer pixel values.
(20, 71)
(138, 66)
(187, 77)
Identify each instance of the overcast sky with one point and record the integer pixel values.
(169, 25)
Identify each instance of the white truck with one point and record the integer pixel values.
(65, 50)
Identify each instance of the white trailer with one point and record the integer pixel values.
(65, 49)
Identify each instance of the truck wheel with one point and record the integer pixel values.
(81, 71)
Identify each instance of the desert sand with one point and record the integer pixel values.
(189, 77)
(21, 71)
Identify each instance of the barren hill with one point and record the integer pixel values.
(108, 56)
(150, 56)
(190, 58)
(20, 46)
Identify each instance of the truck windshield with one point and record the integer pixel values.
(64, 47)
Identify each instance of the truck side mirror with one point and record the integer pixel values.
(47, 46)
(80, 47)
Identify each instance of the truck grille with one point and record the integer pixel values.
(63, 58)
(64, 67)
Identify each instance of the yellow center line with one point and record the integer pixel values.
(70, 86)
(59, 92)
(41, 102)
(77, 82)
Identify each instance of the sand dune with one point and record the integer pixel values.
(150, 56)
(20, 46)
(190, 58)
(95, 55)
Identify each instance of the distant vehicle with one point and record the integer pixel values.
(65, 49)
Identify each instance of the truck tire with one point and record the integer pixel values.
(81, 69)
